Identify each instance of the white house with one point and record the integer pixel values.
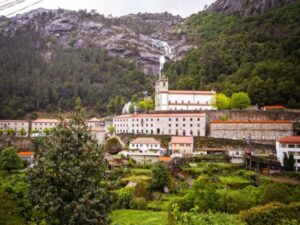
(16, 125)
(41, 124)
(145, 149)
(182, 146)
(166, 99)
(289, 145)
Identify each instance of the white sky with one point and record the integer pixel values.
(114, 7)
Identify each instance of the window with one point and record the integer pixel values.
(170, 119)
(169, 125)
(283, 145)
(191, 133)
(191, 119)
(184, 125)
(191, 125)
(183, 119)
(176, 125)
(176, 119)
(291, 146)
(198, 119)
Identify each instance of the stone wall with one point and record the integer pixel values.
(257, 132)
(20, 143)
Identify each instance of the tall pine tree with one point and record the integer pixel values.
(67, 181)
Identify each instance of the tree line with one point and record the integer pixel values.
(258, 55)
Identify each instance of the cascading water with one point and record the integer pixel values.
(167, 49)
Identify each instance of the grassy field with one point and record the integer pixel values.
(138, 217)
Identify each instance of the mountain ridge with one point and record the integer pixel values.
(138, 37)
(245, 7)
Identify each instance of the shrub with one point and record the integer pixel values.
(271, 214)
(113, 146)
(160, 177)
(10, 160)
(138, 203)
(274, 192)
(124, 197)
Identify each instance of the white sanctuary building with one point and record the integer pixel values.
(166, 99)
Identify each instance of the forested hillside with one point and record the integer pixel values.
(259, 55)
(29, 83)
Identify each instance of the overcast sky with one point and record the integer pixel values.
(113, 7)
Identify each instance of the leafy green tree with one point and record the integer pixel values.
(23, 131)
(146, 105)
(111, 129)
(221, 101)
(9, 211)
(10, 160)
(46, 131)
(68, 179)
(160, 177)
(240, 100)
(113, 145)
(11, 131)
(288, 162)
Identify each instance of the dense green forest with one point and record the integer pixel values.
(30, 83)
(259, 55)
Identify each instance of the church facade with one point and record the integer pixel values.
(178, 100)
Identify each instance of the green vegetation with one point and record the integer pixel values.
(160, 177)
(289, 162)
(67, 182)
(258, 54)
(10, 160)
(139, 217)
(28, 83)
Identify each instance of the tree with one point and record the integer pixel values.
(146, 104)
(111, 129)
(221, 101)
(9, 211)
(240, 100)
(23, 131)
(160, 177)
(288, 162)
(113, 145)
(10, 160)
(68, 179)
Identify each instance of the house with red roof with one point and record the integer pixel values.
(289, 145)
(181, 146)
(273, 107)
(145, 149)
(27, 156)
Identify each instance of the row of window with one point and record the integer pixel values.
(184, 133)
(290, 145)
(7, 124)
(141, 145)
(188, 102)
(151, 125)
(157, 119)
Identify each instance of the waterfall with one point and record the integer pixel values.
(167, 52)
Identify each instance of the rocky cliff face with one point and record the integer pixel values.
(245, 7)
(142, 38)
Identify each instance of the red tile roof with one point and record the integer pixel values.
(189, 92)
(182, 140)
(13, 121)
(45, 120)
(25, 153)
(162, 115)
(253, 121)
(289, 139)
(274, 107)
(94, 119)
(151, 141)
(165, 159)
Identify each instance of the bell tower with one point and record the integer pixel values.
(161, 89)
